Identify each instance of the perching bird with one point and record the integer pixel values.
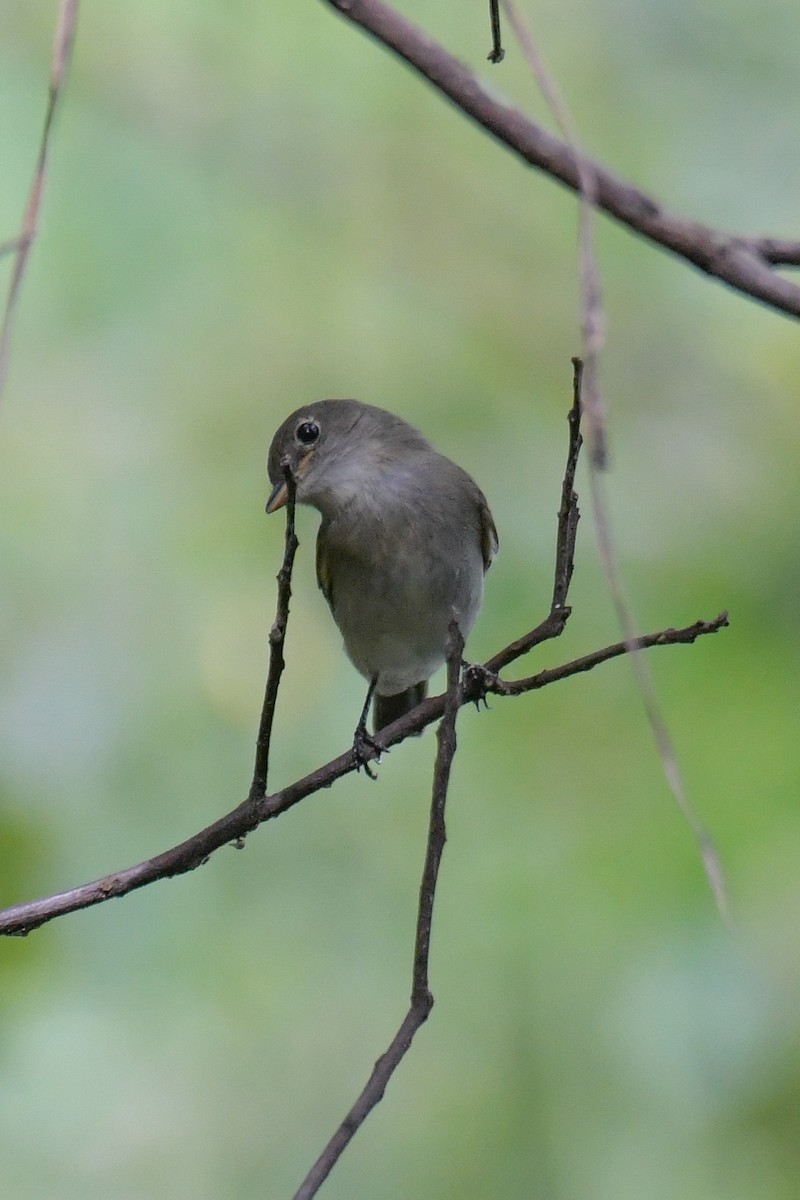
(405, 540)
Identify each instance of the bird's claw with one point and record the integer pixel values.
(478, 681)
(363, 742)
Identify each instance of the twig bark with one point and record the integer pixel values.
(743, 263)
(277, 638)
(421, 997)
(497, 53)
(593, 319)
(485, 682)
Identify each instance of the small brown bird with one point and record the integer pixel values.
(405, 540)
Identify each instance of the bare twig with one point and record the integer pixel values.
(569, 513)
(21, 245)
(421, 997)
(277, 637)
(593, 322)
(568, 516)
(497, 53)
(483, 680)
(743, 263)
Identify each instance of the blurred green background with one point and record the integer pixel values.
(250, 205)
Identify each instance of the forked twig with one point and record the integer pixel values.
(255, 809)
(483, 680)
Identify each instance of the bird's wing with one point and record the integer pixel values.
(489, 540)
(324, 573)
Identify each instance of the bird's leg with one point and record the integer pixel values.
(478, 682)
(363, 740)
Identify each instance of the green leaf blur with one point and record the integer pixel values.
(253, 205)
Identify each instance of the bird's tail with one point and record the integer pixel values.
(386, 709)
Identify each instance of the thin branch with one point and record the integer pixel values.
(566, 532)
(593, 321)
(497, 53)
(744, 264)
(437, 835)
(421, 997)
(21, 245)
(277, 638)
(569, 513)
(483, 681)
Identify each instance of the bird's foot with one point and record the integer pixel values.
(363, 743)
(478, 681)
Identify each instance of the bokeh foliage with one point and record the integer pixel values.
(249, 205)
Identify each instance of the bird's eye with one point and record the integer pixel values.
(307, 432)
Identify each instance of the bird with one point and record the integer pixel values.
(405, 540)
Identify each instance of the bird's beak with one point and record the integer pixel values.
(278, 497)
(279, 494)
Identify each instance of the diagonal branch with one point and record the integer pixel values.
(421, 998)
(743, 263)
(21, 919)
(487, 681)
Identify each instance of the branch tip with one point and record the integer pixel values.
(497, 53)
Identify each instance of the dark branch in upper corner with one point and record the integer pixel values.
(743, 263)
